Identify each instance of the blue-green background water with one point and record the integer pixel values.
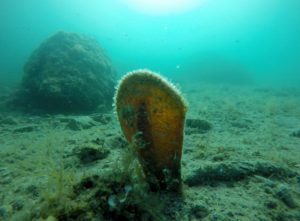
(220, 40)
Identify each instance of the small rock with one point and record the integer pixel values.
(86, 183)
(88, 155)
(201, 125)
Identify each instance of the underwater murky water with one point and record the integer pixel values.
(230, 40)
(226, 145)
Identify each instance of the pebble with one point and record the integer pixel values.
(88, 155)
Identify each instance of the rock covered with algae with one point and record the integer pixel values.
(67, 72)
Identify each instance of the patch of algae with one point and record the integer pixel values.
(52, 185)
(43, 174)
(119, 194)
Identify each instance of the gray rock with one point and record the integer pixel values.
(69, 72)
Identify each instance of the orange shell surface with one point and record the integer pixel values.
(151, 113)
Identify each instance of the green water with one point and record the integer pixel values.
(231, 41)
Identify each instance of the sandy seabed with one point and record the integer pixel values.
(246, 167)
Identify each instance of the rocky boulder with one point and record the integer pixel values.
(68, 72)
